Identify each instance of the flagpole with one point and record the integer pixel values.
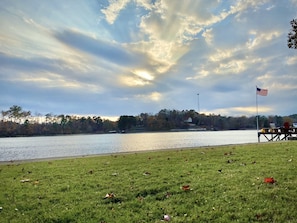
(198, 104)
(257, 115)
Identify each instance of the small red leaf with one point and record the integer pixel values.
(269, 180)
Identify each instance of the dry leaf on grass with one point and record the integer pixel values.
(186, 187)
(269, 180)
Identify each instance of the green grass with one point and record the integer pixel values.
(147, 185)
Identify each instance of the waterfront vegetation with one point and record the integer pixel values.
(17, 122)
(211, 184)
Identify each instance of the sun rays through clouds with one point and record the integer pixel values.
(151, 53)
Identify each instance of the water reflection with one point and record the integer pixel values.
(77, 145)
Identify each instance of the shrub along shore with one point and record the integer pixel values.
(234, 183)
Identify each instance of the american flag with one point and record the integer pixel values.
(262, 92)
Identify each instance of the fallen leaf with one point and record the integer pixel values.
(269, 180)
(185, 187)
(109, 195)
(36, 182)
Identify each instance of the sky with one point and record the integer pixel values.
(111, 58)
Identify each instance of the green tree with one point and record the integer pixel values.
(292, 35)
(108, 125)
(126, 122)
(15, 113)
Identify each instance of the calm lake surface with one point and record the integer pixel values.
(25, 148)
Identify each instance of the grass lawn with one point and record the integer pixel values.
(213, 184)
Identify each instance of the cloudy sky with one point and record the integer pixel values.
(125, 57)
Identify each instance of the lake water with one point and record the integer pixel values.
(25, 148)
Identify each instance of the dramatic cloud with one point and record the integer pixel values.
(125, 57)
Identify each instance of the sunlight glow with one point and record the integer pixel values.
(144, 75)
(154, 96)
(241, 111)
(133, 81)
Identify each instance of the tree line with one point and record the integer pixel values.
(17, 122)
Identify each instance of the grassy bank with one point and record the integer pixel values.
(221, 184)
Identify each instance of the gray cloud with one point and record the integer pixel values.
(111, 52)
(89, 58)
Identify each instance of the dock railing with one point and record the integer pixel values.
(277, 134)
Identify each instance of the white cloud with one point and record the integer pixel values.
(112, 11)
(262, 39)
(54, 80)
(291, 60)
(208, 35)
(144, 75)
(129, 56)
(153, 96)
(133, 81)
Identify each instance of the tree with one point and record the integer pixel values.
(126, 122)
(16, 113)
(292, 36)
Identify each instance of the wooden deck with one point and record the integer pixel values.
(277, 134)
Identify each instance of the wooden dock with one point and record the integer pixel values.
(277, 134)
